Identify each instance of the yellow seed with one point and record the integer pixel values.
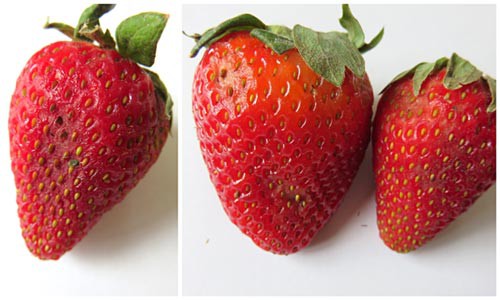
(88, 102)
(77, 196)
(437, 131)
(435, 112)
(113, 127)
(105, 177)
(450, 137)
(66, 192)
(70, 232)
(423, 131)
(79, 150)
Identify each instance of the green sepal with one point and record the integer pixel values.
(328, 53)
(61, 27)
(355, 31)
(89, 19)
(137, 36)
(373, 43)
(460, 72)
(420, 73)
(279, 38)
(492, 84)
(351, 24)
(162, 93)
(104, 39)
(238, 23)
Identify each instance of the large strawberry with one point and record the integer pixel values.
(434, 149)
(86, 123)
(283, 119)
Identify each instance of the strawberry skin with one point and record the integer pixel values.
(434, 155)
(282, 145)
(85, 125)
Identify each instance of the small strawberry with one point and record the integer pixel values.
(434, 149)
(283, 120)
(86, 123)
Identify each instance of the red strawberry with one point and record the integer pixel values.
(86, 123)
(434, 149)
(282, 130)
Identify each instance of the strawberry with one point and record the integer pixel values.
(283, 120)
(86, 123)
(434, 149)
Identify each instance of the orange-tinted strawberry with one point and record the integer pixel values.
(85, 125)
(434, 149)
(281, 129)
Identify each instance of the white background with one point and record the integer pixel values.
(133, 250)
(346, 257)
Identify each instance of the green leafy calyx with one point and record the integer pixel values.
(327, 53)
(136, 38)
(459, 72)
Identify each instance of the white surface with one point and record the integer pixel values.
(346, 257)
(133, 250)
